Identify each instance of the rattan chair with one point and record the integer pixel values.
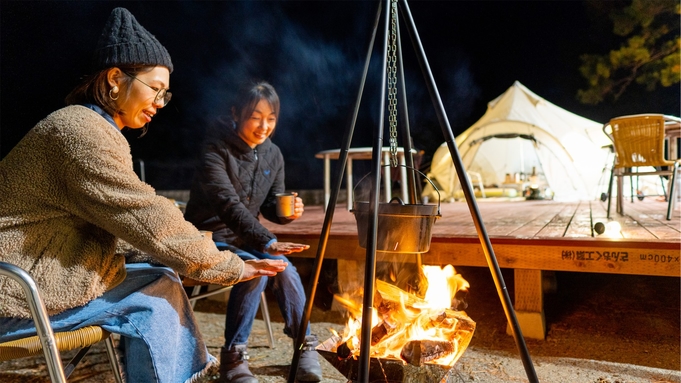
(47, 341)
(639, 141)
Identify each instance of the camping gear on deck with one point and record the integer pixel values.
(520, 132)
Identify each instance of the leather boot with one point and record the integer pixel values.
(309, 369)
(234, 365)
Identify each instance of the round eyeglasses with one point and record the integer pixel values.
(162, 94)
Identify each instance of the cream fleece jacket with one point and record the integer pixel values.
(68, 192)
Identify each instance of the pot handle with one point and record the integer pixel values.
(398, 198)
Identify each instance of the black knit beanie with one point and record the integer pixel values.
(125, 41)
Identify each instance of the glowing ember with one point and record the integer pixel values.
(414, 329)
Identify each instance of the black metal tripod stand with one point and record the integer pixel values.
(370, 268)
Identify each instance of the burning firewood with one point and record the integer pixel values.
(393, 293)
(384, 306)
(459, 302)
(379, 332)
(436, 320)
(410, 328)
(418, 352)
(343, 351)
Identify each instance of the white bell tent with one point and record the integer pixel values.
(522, 134)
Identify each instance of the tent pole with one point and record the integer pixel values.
(470, 198)
(328, 219)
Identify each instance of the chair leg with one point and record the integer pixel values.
(55, 366)
(195, 291)
(612, 175)
(196, 295)
(631, 186)
(266, 317)
(663, 188)
(620, 194)
(113, 359)
(111, 353)
(672, 191)
(71, 366)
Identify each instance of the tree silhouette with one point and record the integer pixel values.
(648, 55)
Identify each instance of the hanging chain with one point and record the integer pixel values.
(392, 84)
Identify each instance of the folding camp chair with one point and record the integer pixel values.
(639, 141)
(47, 341)
(197, 286)
(196, 294)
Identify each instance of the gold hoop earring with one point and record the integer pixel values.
(114, 90)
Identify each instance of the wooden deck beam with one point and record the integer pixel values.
(593, 256)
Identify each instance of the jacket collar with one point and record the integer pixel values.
(104, 114)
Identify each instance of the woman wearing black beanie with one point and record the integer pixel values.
(73, 209)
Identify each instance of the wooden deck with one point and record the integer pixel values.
(531, 237)
(540, 235)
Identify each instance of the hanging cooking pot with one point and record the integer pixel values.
(401, 228)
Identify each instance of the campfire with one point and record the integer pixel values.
(409, 329)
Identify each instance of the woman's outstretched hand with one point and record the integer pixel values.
(262, 267)
(283, 248)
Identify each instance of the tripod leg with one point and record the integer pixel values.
(370, 267)
(470, 199)
(328, 218)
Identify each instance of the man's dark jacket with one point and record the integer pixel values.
(234, 185)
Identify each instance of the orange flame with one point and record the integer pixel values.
(402, 317)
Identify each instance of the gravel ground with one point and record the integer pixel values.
(601, 329)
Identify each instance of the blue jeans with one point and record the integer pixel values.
(244, 298)
(160, 338)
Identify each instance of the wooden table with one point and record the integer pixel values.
(363, 153)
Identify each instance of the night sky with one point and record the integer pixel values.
(313, 52)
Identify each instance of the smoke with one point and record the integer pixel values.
(316, 75)
(313, 52)
(258, 40)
